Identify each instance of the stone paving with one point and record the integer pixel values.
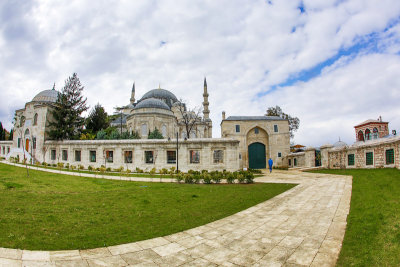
(303, 226)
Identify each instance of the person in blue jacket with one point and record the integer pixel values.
(270, 163)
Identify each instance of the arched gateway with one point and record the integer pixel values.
(257, 159)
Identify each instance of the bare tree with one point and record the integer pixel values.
(188, 117)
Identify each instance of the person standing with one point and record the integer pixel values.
(270, 163)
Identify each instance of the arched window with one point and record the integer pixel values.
(35, 119)
(164, 130)
(367, 134)
(375, 133)
(144, 130)
(360, 136)
(26, 132)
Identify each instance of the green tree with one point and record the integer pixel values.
(97, 119)
(11, 136)
(67, 123)
(294, 122)
(156, 134)
(2, 132)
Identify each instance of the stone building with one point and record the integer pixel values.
(374, 148)
(261, 137)
(161, 109)
(247, 141)
(371, 129)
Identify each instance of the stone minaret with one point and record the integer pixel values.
(206, 111)
(133, 94)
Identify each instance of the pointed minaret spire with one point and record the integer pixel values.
(54, 86)
(206, 112)
(133, 94)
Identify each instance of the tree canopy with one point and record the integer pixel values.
(97, 119)
(294, 122)
(67, 121)
(156, 134)
(188, 117)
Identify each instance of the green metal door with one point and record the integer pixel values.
(257, 158)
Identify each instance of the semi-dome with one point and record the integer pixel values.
(165, 95)
(152, 103)
(46, 96)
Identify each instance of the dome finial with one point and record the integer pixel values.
(159, 86)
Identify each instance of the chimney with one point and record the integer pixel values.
(223, 115)
(380, 118)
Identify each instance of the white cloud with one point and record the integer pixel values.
(243, 47)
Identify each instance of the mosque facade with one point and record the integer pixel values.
(246, 141)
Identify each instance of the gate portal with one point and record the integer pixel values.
(257, 158)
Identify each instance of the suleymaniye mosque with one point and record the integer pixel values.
(245, 142)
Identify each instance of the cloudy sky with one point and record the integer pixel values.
(331, 63)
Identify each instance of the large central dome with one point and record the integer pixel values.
(166, 96)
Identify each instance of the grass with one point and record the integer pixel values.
(373, 231)
(54, 212)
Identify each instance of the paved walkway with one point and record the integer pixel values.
(304, 226)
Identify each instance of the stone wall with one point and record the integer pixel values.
(5, 148)
(339, 157)
(205, 147)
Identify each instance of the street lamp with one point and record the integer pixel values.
(177, 153)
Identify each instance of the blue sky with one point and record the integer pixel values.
(331, 63)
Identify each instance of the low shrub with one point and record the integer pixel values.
(179, 178)
(73, 167)
(81, 167)
(241, 178)
(60, 165)
(90, 168)
(197, 178)
(255, 171)
(139, 170)
(206, 178)
(108, 169)
(230, 178)
(188, 178)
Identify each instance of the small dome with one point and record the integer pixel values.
(339, 144)
(152, 103)
(46, 96)
(162, 94)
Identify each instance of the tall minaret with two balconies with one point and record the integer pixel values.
(132, 100)
(206, 111)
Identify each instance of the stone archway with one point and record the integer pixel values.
(257, 147)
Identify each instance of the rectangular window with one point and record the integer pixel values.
(34, 142)
(128, 156)
(369, 158)
(77, 155)
(8, 149)
(4, 150)
(92, 156)
(171, 157)
(19, 142)
(275, 128)
(389, 156)
(350, 159)
(279, 154)
(218, 156)
(148, 156)
(295, 162)
(65, 155)
(53, 154)
(290, 162)
(256, 131)
(109, 156)
(194, 156)
(237, 128)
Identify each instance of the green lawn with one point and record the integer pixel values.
(52, 212)
(373, 231)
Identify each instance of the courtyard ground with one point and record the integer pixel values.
(301, 227)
